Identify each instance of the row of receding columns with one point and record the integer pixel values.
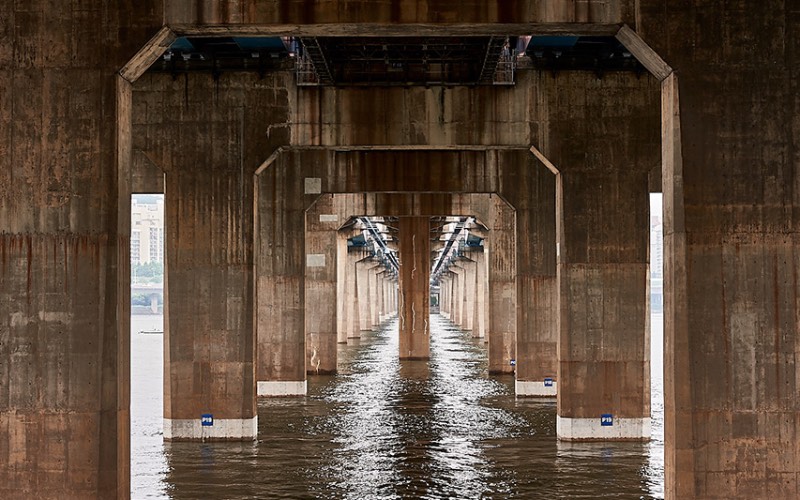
(463, 295)
(730, 234)
(566, 300)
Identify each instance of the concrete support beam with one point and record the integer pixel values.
(280, 276)
(398, 17)
(451, 287)
(375, 297)
(386, 297)
(444, 295)
(223, 128)
(415, 268)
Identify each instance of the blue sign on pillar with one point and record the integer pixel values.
(548, 382)
(513, 362)
(606, 420)
(207, 420)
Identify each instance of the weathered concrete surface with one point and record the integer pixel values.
(364, 269)
(481, 298)
(533, 196)
(301, 174)
(64, 247)
(347, 317)
(601, 150)
(208, 136)
(388, 12)
(374, 296)
(502, 250)
(321, 266)
(436, 116)
(208, 332)
(414, 234)
(730, 204)
(458, 294)
(445, 284)
(731, 208)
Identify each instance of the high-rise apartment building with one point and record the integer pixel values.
(147, 229)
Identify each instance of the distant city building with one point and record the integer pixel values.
(656, 247)
(147, 229)
(656, 263)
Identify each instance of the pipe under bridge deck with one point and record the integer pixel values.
(330, 165)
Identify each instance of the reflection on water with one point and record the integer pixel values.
(383, 428)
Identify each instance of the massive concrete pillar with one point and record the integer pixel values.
(280, 297)
(537, 287)
(602, 214)
(64, 242)
(604, 361)
(321, 271)
(502, 288)
(208, 135)
(386, 291)
(208, 334)
(451, 292)
(442, 295)
(415, 269)
(212, 133)
(731, 239)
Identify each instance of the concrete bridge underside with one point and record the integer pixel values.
(82, 126)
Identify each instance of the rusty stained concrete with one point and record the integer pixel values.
(64, 323)
(602, 214)
(372, 290)
(209, 143)
(730, 203)
(414, 234)
(231, 13)
(445, 120)
(354, 171)
(731, 128)
(473, 294)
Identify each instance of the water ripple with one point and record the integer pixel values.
(389, 429)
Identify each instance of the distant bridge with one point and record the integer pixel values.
(154, 291)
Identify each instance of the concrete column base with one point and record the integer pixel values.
(590, 429)
(279, 388)
(225, 429)
(535, 389)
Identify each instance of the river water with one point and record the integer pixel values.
(383, 428)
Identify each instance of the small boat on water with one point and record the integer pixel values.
(152, 331)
